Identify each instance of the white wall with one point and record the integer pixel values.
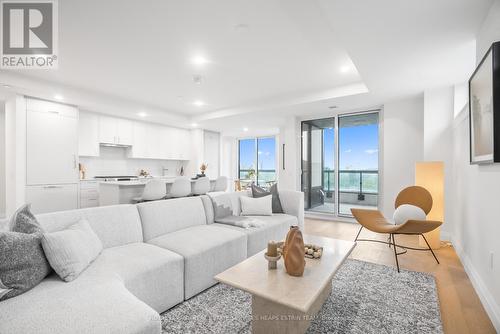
(229, 160)
(438, 139)
(114, 161)
(401, 141)
(2, 159)
(476, 190)
(289, 170)
(15, 152)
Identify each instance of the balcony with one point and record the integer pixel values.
(358, 189)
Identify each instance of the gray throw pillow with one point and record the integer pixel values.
(259, 192)
(223, 205)
(71, 251)
(23, 264)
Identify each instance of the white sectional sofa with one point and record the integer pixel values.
(155, 255)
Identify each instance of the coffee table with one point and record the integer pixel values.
(282, 303)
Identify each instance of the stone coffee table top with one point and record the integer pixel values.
(298, 293)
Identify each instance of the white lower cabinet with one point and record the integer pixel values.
(89, 194)
(50, 198)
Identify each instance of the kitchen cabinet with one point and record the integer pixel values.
(152, 141)
(50, 198)
(51, 143)
(89, 194)
(117, 131)
(88, 135)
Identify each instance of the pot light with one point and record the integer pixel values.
(5, 86)
(245, 129)
(58, 97)
(194, 125)
(142, 114)
(199, 60)
(345, 69)
(199, 103)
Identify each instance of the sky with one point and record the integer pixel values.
(358, 147)
(266, 150)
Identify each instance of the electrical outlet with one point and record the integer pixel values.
(491, 260)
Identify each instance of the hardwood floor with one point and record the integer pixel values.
(461, 309)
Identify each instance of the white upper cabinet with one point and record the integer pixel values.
(152, 141)
(88, 135)
(115, 131)
(52, 143)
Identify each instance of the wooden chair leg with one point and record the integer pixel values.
(395, 251)
(430, 248)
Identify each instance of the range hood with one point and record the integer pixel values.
(115, 145)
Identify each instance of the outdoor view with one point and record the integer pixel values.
(358, 163)
(258, 161)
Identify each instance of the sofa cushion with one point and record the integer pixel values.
(70, 251)
(261, 192)
(22, 261)
(207, 250)
(153, 274)
(274, 227)
(162, 217)
(115, 225)
(98, 305)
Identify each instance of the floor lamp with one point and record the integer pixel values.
(430, 175)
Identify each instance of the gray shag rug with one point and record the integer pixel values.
(366, 298)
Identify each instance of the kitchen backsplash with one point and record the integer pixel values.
(114, 161)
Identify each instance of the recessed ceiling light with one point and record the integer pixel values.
(245, 129)
(142, 114)
(194, 125)
(199, 103)
(345, 69)
(6, 86)
(58, 97)
(199, 60)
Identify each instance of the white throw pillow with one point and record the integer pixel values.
(262, 206)
(407, 212)
(70, 251)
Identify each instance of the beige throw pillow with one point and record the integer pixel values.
(71, 251)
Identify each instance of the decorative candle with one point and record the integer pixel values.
(272, 249)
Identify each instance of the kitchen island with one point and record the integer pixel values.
(122, 192)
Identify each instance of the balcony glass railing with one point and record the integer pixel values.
(265, 177)
(352, 181)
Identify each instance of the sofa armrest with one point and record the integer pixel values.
(293, 204)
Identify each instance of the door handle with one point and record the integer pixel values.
(51, 187)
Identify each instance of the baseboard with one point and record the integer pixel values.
(491, 307)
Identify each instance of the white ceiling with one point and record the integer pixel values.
(268, 59)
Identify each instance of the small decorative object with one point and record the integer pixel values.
(293, 252)
(313, 251)
(143, 173)
(203, 168)
(82, 170)
(181, 173)
(272, 255)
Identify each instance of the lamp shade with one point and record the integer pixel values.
(430, 175)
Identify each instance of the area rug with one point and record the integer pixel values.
(366, 298)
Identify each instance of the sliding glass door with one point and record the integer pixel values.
(340, 151)
(318, 181)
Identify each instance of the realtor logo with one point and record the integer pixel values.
(29, 34)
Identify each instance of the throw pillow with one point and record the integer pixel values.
(259, 192)
(256, 206)
(71, 251)
(23, 264)
(407, 212)
(223, 205)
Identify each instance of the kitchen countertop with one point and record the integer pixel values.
(140, 182)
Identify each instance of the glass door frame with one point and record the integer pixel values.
(336, 150)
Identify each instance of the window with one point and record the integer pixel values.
(257, 161)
